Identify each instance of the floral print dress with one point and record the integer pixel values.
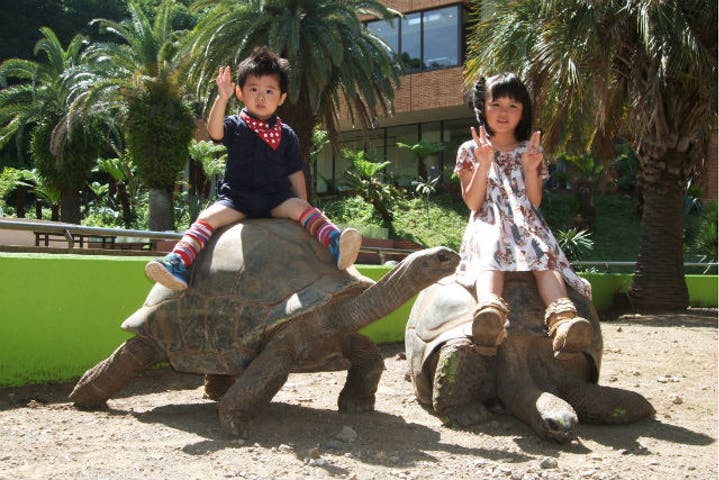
(508, 233)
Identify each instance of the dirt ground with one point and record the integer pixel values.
(161, 428)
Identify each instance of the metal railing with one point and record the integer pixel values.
(607, 264)
(70, 231)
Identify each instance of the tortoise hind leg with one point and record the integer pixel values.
(605, 405)
(217, 385)
(109, 376)
(358, 394)
(462, 383)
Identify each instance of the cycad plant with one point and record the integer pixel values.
(137, 81)
(38, 105)
(365, 178)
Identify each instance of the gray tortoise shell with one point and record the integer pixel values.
(249, 279)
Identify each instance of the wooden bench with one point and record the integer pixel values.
(102, 241)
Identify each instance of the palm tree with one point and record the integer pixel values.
(137, 81)
(648, 68)
(337, 65)
(38, 105)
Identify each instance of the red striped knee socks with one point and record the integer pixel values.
(194, 239)
(318, 225)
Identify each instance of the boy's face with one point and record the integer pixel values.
(261, 95)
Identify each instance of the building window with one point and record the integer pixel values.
(387, 31)
(411, 42)
(441, 27)
(426, 40)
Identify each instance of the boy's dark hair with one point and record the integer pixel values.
(263, 61)
(503, 85)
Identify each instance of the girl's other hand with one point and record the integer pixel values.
(484, 151)
(533, 156)
(225, 86)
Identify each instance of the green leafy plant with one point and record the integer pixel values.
(365, 178)
(320, 139)
(124, 189)
(584, 174)
(626, 167)
(45, 193)
(425, 190)
(706, 239)
(212, 158)
(576, 244)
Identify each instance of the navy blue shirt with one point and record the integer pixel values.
(252, 165)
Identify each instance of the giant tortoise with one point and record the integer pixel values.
(551, 395)
(264, 299)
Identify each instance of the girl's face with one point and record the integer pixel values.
(503, 114)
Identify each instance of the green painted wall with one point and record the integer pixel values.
(61, 314)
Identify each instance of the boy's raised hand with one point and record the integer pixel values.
(533, 156)
(225, 86)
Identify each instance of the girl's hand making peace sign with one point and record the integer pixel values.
(533, 156)
(483, 152)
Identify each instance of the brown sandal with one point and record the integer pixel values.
(489, 324)
(570, 333)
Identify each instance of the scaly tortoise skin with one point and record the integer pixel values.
(264, 299)
(551, 396)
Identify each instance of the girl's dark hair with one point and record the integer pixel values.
(503, 85)
(263, 61)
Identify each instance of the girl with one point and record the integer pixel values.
(501, 172)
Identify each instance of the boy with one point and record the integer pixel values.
(263, 175)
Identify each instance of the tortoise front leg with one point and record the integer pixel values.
(461, 384)
(109, 376)
(358, 394)
(255, 387)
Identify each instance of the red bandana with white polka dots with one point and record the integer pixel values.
(270, 135)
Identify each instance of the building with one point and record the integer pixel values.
(430, 104)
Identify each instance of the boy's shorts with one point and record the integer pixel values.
(252, 204)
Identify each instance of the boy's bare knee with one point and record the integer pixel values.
(291, 208)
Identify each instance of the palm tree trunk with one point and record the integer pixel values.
(161, 213)
(128, 214)
(658, 282)
(70, 206)
(302, 120)
(20, 200)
